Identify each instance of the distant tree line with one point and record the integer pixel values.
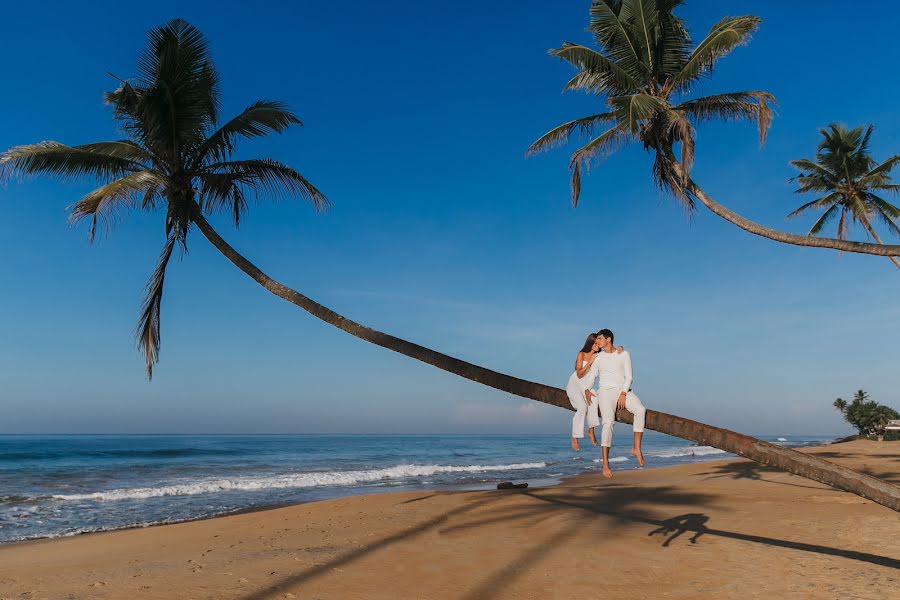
(868, 416)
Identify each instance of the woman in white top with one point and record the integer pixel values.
(575, 389)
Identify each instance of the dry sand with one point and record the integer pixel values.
(714, 530)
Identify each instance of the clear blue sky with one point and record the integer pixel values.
(417, 117)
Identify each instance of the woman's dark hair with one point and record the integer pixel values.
(589, 342)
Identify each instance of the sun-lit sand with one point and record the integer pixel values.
(726, 529)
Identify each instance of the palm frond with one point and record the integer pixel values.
(632, 110)
(259, 119)
(643, 16)
(176, 98)
(597, 73)
(260, 176)
(53, 158)
(828, 200)
(883, 169)
(148, 328)
(822, 221)
(615, 37)
(560, 135)
(736, 106)
(812, 183)
(722, 38)
(673, 44)
(885, 211)
(603, 145)
(116, 195)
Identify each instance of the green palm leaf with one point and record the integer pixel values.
(53, 158)
(632, 110)
(603, 145)
(615, 37)
(822, 221)
(259, 119)
(722, 38)
(597, 73)
(750, 106)
(264, 176)
(560, 134)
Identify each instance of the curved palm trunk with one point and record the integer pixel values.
(875, 237)
(762, 452)
(729, 215)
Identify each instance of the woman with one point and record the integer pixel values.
(576, 388)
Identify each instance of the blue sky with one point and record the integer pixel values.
(416, 118)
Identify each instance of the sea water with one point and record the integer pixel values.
(58, 485)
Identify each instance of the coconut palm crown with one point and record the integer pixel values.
(849, 182)
(645, 65)
(177, 155)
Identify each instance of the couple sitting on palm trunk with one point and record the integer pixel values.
(600, 361)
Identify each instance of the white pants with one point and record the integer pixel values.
(606, 400)
(576, 399)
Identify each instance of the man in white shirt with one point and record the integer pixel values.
(613, 370)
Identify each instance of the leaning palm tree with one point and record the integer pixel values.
(178, 159)
(850, 179)
(645, 66)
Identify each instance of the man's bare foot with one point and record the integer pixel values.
(638, 455)
(575, 445)
(591, 435)
(607, 472)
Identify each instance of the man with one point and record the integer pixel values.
(614, 373)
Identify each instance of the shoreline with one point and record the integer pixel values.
(725, 528)
(400, 489)
(444, 487)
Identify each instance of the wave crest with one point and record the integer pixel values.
(299, 480)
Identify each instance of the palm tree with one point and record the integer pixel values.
(645, 66)
(179, 158)
(845, 172)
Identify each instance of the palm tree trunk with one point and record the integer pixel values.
(762, 452)
(875, 237)
(773, 234)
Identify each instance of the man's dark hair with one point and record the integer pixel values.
(607, 334)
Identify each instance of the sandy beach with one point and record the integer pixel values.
(725, 529)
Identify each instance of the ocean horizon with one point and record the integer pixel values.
(55, 485)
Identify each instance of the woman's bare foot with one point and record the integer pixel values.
(575, 445)
(636, 452)
(607, 472)
(591, 435)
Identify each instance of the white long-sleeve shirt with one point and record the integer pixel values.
(612, 369)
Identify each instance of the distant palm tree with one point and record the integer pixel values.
(179, 158)
(845, 172)
(645, 66)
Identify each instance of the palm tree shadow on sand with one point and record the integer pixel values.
(608, 507)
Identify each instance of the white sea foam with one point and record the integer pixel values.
(782, 439)
(613, 459)
(298, 480)
(689, 451)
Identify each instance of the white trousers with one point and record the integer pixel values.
(606, 400)
(576, 399)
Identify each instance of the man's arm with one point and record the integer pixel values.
(626, 364)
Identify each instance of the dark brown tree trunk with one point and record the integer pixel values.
(768, 454)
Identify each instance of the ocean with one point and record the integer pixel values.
(60, 485)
